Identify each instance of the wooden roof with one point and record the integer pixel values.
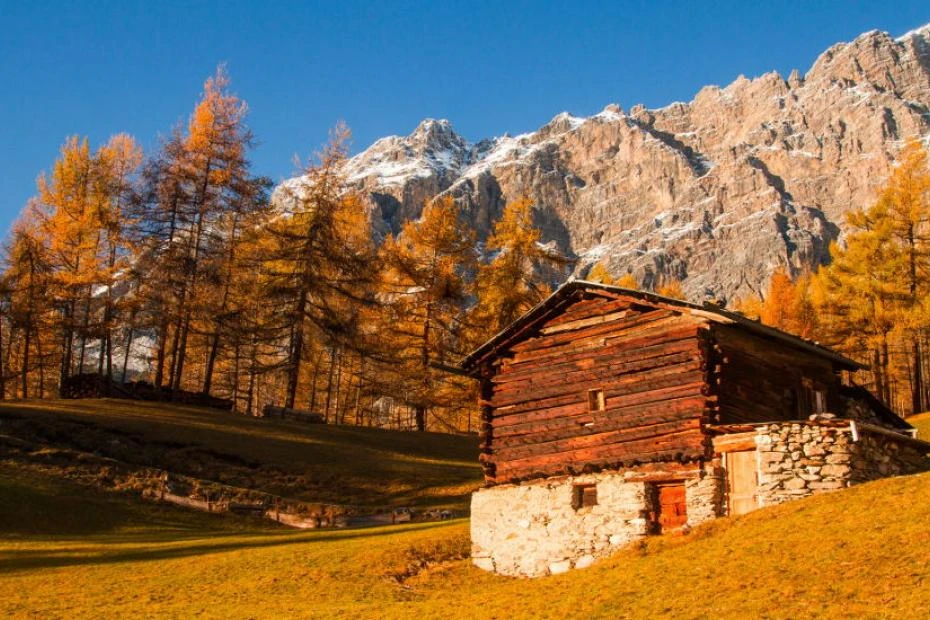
(565, 295)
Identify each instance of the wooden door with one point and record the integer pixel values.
(673, 509)
(741, 482)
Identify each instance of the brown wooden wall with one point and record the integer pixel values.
(758, 379)
(648, 362)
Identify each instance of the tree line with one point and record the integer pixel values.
(179, 269)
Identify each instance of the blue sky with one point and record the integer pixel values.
(98, 68)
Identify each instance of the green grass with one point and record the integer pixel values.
(315, 463)
(856, 553)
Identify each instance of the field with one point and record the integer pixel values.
(317, 463)
(67, 550)
(921, 422)
(857, 553)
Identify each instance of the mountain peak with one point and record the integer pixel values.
(920, 32)
(436, 133)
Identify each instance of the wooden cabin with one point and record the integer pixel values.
(618, 413)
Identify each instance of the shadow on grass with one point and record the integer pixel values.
(19, 560)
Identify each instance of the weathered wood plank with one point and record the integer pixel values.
(620, 417)
(664, 377)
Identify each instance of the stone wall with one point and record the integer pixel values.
(535, 528)
(799, 459)
(706, 496)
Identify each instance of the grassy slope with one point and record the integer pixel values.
(331, 464)
(856, 553)
(921, 422)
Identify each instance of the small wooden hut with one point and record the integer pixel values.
(610, 414)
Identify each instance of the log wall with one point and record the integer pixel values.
(647, 361)
(761, 380)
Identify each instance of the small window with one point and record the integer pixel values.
(596, 400)
(811, 398)
(584, 496)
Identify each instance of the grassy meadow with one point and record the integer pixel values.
(921, 422)
(367, 467)
(65, 552)
(71, 551)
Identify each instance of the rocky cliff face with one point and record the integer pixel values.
(718, 191)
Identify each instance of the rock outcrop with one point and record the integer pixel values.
(717, 192)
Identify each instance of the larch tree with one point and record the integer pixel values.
(424, 291)
(318, 262)
(117, 164)
(518, 274)
(201, 188)
(27, 278)
(905, 202)
(68, 223)
(600, 273)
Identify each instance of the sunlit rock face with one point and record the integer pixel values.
(717, 192)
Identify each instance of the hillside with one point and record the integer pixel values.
(921, 422)
(316, 463)
(717, 191)
(856, 553)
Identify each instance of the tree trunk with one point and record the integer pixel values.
(329, 381)
(27, 335)
(211, 361)
(296, 351)
(2, 366)
(160, 356)
(917, 389)
(126, 356)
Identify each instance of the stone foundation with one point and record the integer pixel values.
(537, 528)
(543, 527)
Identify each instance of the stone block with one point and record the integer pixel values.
(813, 450)
(483, 563)
(562, 566)
(826, 485)
(835, 471)
(794, 484)
(584, 561)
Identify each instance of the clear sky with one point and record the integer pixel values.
(95, 68)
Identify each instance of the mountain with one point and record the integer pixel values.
(718, 191)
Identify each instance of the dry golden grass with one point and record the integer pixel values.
(316, 463)
(921, 422)
(856, 553)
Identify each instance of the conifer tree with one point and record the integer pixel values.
(517, 276)
(27, 278)
(425, 290)
(68, 224)
(628, 280)
(200, 188)
(116, 165)
(318, 262)
(600, 273)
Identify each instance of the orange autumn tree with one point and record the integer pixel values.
(517, 276)
(600, 273)
(29, 311)
(424, 289)
(873, 296)
(68, 224)
(202, 189)
(115, 191)
(317, 267)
